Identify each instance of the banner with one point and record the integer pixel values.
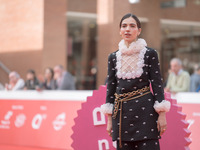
(72, 120)
(33, 122)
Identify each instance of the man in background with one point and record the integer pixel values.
(64, 80)
(195, 80)
(15, 82)
(179, 80)
(1, 86)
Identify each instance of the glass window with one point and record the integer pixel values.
(82, 51)
(182, 41)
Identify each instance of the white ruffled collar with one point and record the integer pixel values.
(130, 61)
(134, 47)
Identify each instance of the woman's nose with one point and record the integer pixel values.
(128, 28)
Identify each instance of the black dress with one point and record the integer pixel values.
(139, 118)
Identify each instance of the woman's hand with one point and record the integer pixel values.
(162, 122)
(109, 125)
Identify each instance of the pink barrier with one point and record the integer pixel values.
(193, 117)
(73, 125)
(36, 124)
(91, 124)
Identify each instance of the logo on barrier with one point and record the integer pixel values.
(5, 124)
(59, 122)
(98, 137)
(20, 120)
(37, 120)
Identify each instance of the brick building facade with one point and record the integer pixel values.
(79, 35)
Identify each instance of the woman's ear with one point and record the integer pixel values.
(139, 31)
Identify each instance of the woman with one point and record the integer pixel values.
(136, 117)
(32, 82)
(49, 83)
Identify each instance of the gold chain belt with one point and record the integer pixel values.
(120, 98)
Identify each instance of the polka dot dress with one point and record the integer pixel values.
(140, 145)
(139, 119)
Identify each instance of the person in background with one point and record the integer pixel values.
(195, 80)
(15, 82)
(32, 82)
(49, 83)
(198, 89)
(1, 87)
(179, 80)
(64, 80)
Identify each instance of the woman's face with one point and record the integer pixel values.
(29, 76)
(129, 30)
(47, 74)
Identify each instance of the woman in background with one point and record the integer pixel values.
(32, 82)
(49, 83)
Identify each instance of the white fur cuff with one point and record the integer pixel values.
(162, 106)
(107, 108)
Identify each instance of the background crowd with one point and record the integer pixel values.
(180, 80)
(58, 78)
(53, 79)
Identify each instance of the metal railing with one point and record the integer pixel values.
(4, 68)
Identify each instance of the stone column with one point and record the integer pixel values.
(85, 47)
(55, 33)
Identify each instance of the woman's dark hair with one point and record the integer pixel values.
(52, 72)
(133, 16)
(33, 73)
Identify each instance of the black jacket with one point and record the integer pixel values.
(139, 117)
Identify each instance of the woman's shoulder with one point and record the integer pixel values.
(113, 54)
(151, 52)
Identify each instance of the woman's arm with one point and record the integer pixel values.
(109, 125)
(107, 108)
(161, 106)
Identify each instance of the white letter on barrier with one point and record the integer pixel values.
(95, 120)
(36, 122)
(101, 142)
(190, 121)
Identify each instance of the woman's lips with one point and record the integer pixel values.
(127, 35)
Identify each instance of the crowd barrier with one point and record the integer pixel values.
(190, 103)
(65, 120)
(38, 120)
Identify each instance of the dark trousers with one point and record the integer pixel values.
(140, 145)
